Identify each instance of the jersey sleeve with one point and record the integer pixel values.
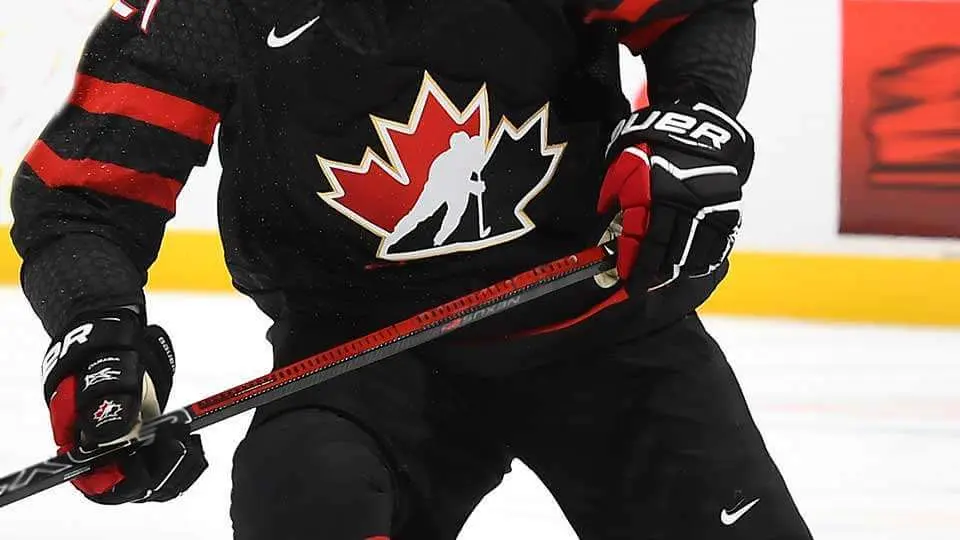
(93, 195)
(692, 49)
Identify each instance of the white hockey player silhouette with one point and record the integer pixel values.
(454, 175)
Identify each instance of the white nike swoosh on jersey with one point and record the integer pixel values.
(729, 519)
(275, 42)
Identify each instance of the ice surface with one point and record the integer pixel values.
(863, 421)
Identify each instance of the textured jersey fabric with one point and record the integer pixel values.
(709, 59)
(334, 117)
(91, 200)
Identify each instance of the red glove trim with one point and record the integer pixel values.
(63, 418)
(628, 183)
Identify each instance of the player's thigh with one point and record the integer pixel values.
(440, 458)
(310, 473)
(654, 441)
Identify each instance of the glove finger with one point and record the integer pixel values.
(63, 414)
(662, 224)
(635, 222)
(710, 246)
(160, 364)
(63, 418)
(156, 473)
(133, 481)
(636, 190)
(612, 182)
(100, 481)
(174, 465)
(647, 267)
(655, 263)
(630, 163)
(627, 250)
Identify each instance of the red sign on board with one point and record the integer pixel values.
(900, 163)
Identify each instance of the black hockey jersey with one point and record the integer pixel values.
(379, 157)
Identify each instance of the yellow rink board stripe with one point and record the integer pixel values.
(841, 288)
(9, 261)
(822, 287)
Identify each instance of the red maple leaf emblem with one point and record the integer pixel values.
(435, 165)
(381, 191)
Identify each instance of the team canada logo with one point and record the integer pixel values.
(108, 411)
(447, 182)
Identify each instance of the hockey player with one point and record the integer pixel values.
(454, 175)
(616, 397)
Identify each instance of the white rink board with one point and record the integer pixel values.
(864, 423)
(792, 203)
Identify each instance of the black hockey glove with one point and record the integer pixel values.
(676, 174)
(104, 376)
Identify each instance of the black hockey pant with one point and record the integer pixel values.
(647, 439)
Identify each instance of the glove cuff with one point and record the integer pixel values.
(699, 129)
(95, 336)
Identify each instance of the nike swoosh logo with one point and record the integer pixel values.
(729, 519)
(275, 42)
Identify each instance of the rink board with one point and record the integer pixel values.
(808, 286)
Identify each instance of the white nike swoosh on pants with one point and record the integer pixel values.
(730, 519)
(275, 42)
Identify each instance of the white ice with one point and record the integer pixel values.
(864, 422)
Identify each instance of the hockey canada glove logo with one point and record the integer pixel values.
(108, 411)
(676, 174)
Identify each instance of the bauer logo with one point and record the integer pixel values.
(446, 179)
(677, 126)
(60, 349)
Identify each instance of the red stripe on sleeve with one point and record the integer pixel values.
(145, 104)
(101, 177)
(645, 36)
(628, 10)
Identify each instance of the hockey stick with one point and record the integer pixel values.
(484, 231)
(320, 367)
